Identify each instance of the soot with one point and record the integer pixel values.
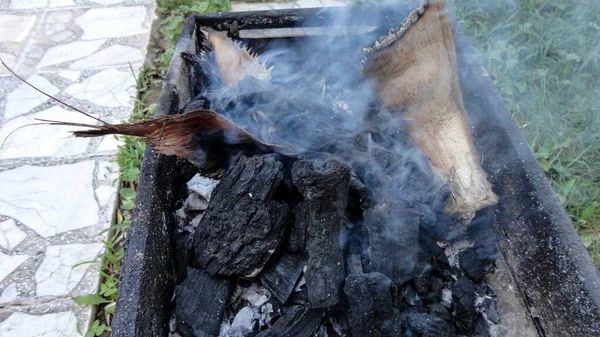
(349, 237)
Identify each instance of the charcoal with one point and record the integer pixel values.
(200, 303)
(353, 264)
(357, 189)
(182, 247)
(463, 296)
(324, 184)
(482, 327)
(408, 297)
(393, 240)
(422, 282)
(370, 298)
(440, 311)
(280, 275)
(299, 321)
(471, 265)
(488, 306)
(480, 259)
(243, 225)
(296, 241)
(425, 325)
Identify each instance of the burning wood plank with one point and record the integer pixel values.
(417, 73)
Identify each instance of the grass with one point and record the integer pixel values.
(544, 56)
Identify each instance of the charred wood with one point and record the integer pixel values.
(324, 186)
(243, 225)
(280, 275)
(426, 325)
(370, 298)
(296, 322)
(393, 240)
(200, 303)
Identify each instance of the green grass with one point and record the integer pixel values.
(544, 56)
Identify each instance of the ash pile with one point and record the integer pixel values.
(350, 234)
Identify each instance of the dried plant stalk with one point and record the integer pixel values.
(235, 61)
(417, 73)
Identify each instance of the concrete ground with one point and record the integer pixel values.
(57, 192)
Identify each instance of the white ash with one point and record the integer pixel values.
(447, 298)
(199, 190)
(336, 326)
(173, 325)
(249, 311)
(301, 281)
(202, 185)
(451, 250)
(195, 202)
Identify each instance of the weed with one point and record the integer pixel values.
(544, 56)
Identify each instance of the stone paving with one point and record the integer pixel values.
(58, 192)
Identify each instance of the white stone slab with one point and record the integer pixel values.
(57, 21)
(69, 52)
(58, 37)
(61, 324)
(9, 294)
(101, 23)
(44, 140)
(15, 28)
(61, 3)
(109, 144)
(9, 59)
(106, 194)
(108, 170)
(24, 4)
(52, 199)
(113, 55)
(25, 98)
(107, 2)
(70, 75)
(8, 263)
(109, 88)
(10, 234)
(56, 275)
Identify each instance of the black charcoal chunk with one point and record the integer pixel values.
(463, 297)
(482, 327)
(298, 233)
(298, 321)
(181, 261)
(425, 325)
(408, 297)
(243, 225)
(393, 240)
(324, 184)
(370, 297)
(200, 302)
(471, 265)
(488, 306)
(280, 275)
(440, 311)
(481, 258)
